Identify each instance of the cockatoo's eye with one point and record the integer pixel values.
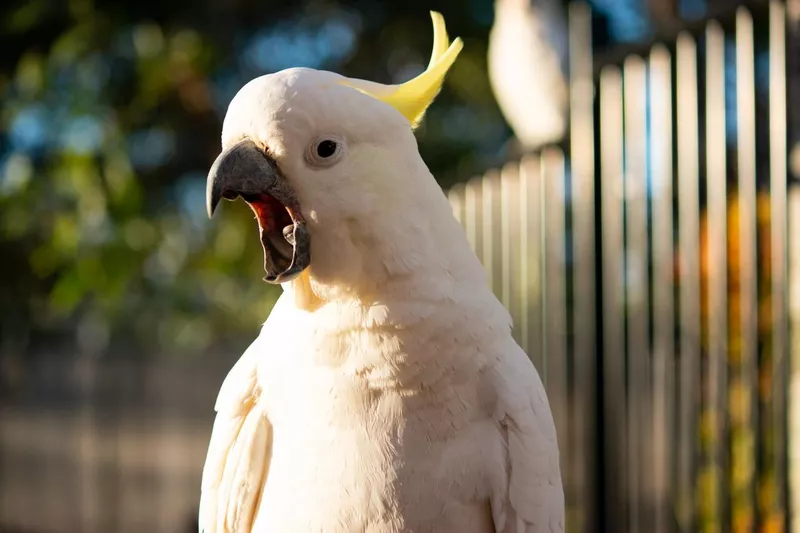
(325, 151)
(326, 148)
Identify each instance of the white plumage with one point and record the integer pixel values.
(385, 393)
(528, 61)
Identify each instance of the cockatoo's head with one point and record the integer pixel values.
(326, 162)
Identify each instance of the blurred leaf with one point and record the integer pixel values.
(67, 292)
(26, 16)
(111, 117)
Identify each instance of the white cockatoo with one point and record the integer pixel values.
(528, 62)
(385, 393)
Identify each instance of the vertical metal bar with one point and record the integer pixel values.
(472, 214)
(793, 217)
(456, 198)
(489, 194)
(88, 454)
(524, 260)
(778, 239)
(636, 290)
(512, 209)
(543, 224)
(663, 281)
(509, 222)
(531, 244)
(584, 321)
(744, 459)
(689, 283)
(793, 252)
(717, 274)
(611, 194)
(42, 474)
(162, 427)
(553, 177)
(28, 508)
(6, 466)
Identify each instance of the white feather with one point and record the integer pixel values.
(527, 62)
(399, 402)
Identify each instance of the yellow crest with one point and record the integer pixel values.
(413, 97)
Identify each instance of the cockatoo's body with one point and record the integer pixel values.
(385, 393)
(528, 63)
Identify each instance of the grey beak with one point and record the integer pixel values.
(240, 170)
(244, 170)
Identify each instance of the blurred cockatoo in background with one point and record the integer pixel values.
(528, 64)
(385, 393)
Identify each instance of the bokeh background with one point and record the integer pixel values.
(121, 305)
(111, 116)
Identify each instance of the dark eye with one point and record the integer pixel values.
(326, 148)
(325, 151)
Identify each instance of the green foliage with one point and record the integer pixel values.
(111, 116)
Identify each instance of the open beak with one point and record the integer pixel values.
(244, 170)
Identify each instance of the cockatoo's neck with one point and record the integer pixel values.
(395, 278)
(447, 282)
(411, 248)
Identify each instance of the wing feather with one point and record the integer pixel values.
(533, 498)
(238, 455)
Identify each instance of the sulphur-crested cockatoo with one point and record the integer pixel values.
(385, 393)
(528, 62)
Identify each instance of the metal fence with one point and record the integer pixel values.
(108, 445)
(648, 273)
